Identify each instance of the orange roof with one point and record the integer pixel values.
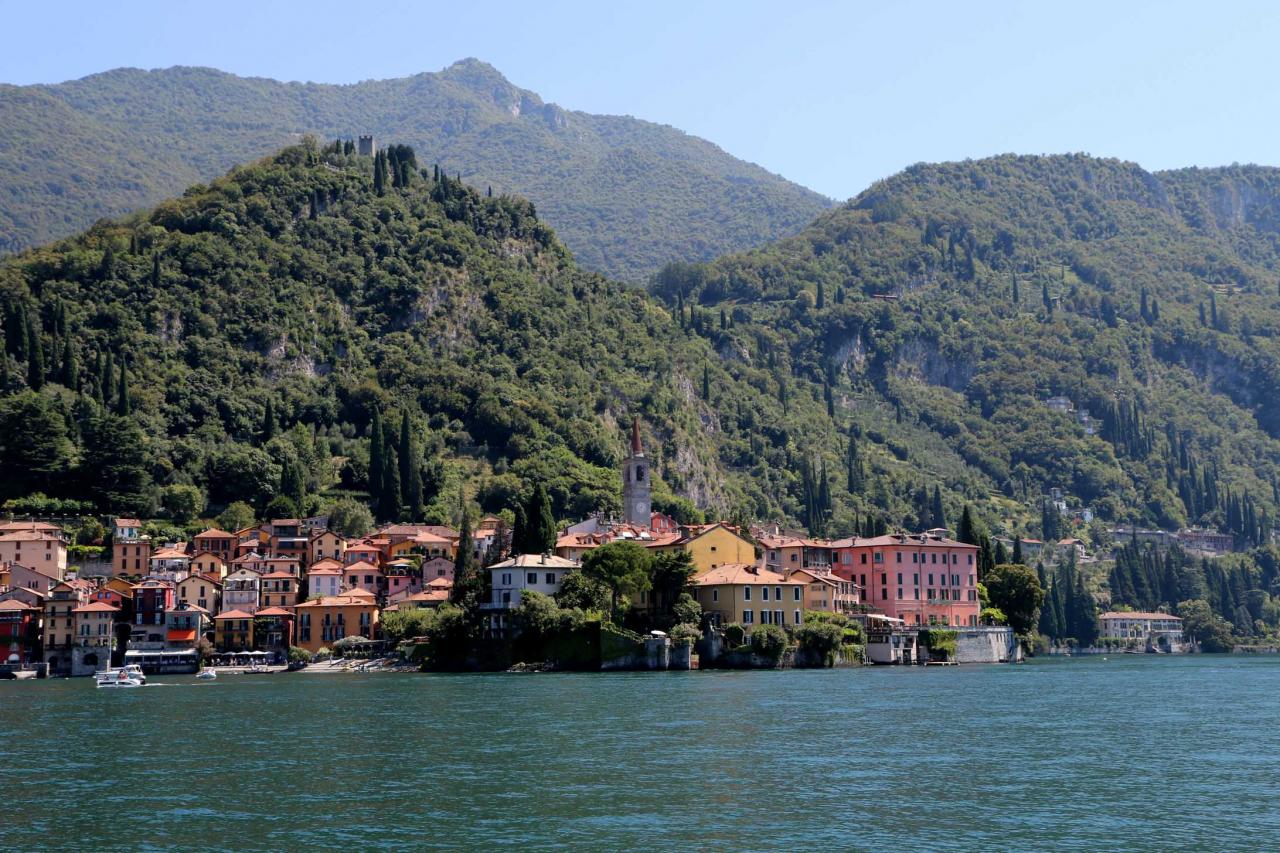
(326, 563)
(274, 611)
(199, 576)
(169, 554)
(96, 607)
(214, 533)
(278, 576)
(440, 583)
(318, 569)
(128, 522)
(362, 566)
(1136, 614)
(15, 604)
(351, 598)
(906, 540)
(234, 614)
(742, 573)
(429, 595)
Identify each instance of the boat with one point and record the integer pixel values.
(206, 675)
(117, 678)
(135, 671)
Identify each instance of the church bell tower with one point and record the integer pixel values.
(637, 500)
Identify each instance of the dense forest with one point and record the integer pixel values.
(960, 297)
(625, 195)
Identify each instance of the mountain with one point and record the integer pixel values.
(943, 308)
(273, 331)
(626, 195)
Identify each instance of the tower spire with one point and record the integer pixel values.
(636, 448)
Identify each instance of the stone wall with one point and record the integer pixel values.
(993, 644)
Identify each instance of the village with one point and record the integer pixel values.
(293, 590)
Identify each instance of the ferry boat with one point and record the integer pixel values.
(117, 678)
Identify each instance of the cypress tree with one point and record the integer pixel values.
(967, 533)
(390, 501)
(35, 355)
(70, 371)
(155, 270)
(706, 382)
(410, 470)
(1016, 295)
(377, 462)
(520, 532)
(542, 524)
(466, 574)
(124, 406)
(1017, 551)
(379, 173)
(268, 422)
(106, 379)
(938, 512)
(821, 301)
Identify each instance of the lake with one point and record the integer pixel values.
(1134, 752)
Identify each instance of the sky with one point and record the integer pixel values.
(830, 95)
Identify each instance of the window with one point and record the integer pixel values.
(884, 579)
(779, 618)
(796, 595)
(879, 558)
(746, 617)
(777, 593)
(550, 578)
(793, 556)
(715, 595)
(933, 558)
(746, 593)
(864, 559)
(884, 595)
(506, 578)
(764, 593)
(530, 577)
(971, 559)
(899, 557)
(899, 578)
(764, 617)
(915, 558)
(797, 617)
(713, 549)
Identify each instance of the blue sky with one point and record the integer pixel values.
(832, 95)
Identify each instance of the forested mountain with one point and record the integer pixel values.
(944, 306)
(272, 332)
(626, 195)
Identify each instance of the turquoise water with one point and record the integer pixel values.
(1134, 753)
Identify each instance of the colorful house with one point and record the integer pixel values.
(240, 590)
(324, 578)
(95, 627)
(185, 624)
(203, 591)
(279, 589)
(19, 632)
(217, 542)
(209, 564)
(37, 549)
(324, 621)
(711, 546)
(750, 594)
(366, 576)
(130, 557)
(233, 631)
(325, 545)
(922, 579)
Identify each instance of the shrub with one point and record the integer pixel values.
(821, 639)
(687, 610)
(686, 633)
(940, 643)
(324, 653)
(734, 634)
(297, 654)
(768, 641)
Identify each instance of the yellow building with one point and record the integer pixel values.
(711, 546)
(325, 545)
(95, 624)
(210, 564)
(204, 591)
(751, 595)
(324, 621)
(233, 631)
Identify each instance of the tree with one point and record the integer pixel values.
(1017, 551)
(35, 354)
(35, 452)
(584, 593)
(410, 470)
(182, 502)
(623, 567)
(939, 513)
(1200, 623)
(468, 582)
(268, 431)
(124, 405)
(237, 516)
(115, 467)
(70, 372)
(281, 506)
(1016, 591)
(239, 472)
(350, 518)
(672, 571)
(541, 523)
(968, 532)
(377, 458)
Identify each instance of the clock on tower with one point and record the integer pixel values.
(637, 500)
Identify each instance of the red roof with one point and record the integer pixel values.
(274, 611)
(234, 614)
(214, 533)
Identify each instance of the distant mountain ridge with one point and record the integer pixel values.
(626, 195)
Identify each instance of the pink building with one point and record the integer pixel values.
(923, 579)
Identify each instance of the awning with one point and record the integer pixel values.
(176, 636)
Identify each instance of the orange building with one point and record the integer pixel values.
(323, 621)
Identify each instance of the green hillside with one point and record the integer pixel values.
(625, 195)
(945, 305)
(243, 338)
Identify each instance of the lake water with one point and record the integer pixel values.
(1135, 753)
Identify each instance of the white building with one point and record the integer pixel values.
(516, 575)
(1141, 626)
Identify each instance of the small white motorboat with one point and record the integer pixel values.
(117, 678)
(206, 675)
(135, 671)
